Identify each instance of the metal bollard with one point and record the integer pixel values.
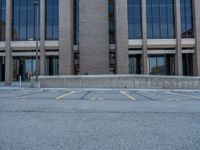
(20, 81)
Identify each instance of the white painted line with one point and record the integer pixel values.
(132, 98)
(27, 91)
(62, 96)
(183, 95)
(24, 95)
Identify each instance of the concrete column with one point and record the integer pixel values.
(8, 59)
(94, 37)
(196, 5)
(66, 53)
(178, 55)
(121, 22)
(144, 39)
(42, 37)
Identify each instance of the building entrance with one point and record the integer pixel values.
(162, 64)
(24, 67)
(2, 68)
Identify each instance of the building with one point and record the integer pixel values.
(100, 37)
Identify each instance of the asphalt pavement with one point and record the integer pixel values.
(99, 119)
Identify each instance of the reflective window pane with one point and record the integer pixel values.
(111, 9)
(24, 67)
(2, 19)
(161, 64)
(52, 20)
(23, 20)
(52, 65)
(187, 19)
(76, 22)
(134, 19)
(188, 65)
(160, 19)
(135, 64)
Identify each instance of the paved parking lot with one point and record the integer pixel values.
(100, 94)
(117, 119)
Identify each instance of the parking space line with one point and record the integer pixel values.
(12, 92)
(86, 94)
(62, 96)
(23, 97)
(132, 98)
(28, 93)
(149, 98)
(183, 95)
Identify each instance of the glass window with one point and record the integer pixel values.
(135, 64)
(52, 19)
(134, 19)
(188, 65)
(2, 68)
(111, 9)
(76, 22)
(161, 64)
(52, 65)
(2, 20)
(23, 21)
(24, 67)
(187, 19)
(160, 19)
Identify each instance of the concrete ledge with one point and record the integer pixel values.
(119, 81)
(35, 84)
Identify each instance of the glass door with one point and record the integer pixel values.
(2, 68)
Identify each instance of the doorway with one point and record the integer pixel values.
(2, 68)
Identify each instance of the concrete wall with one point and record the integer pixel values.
(66, 53)
(121, 31)
(120, 81)
(94, 37)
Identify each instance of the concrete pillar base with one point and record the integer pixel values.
(8, 83)
(35, 84)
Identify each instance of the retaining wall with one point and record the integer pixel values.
(119, 81)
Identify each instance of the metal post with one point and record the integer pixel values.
(36, 5)
(20, 81)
